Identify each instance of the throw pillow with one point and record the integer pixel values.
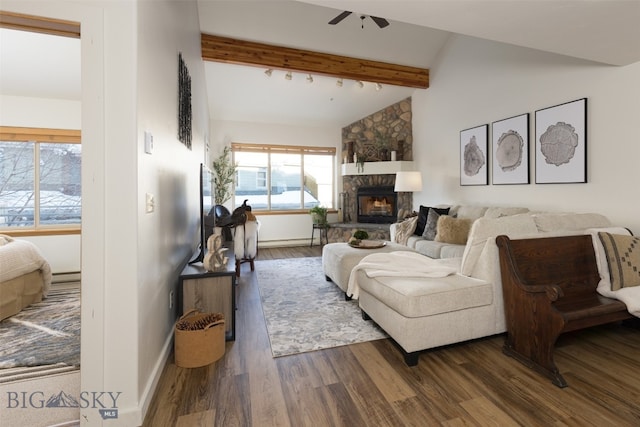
(453, 230)
(431, 228)
(405, 229)
(422, 218)
(623, 259)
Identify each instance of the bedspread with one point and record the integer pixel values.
(18, 257)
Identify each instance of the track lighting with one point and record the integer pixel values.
(268, 72)
(339, 83)
(309, 78)
(360, 84)
(378, 86)
(288, 76)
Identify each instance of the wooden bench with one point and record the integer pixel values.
(549, 287)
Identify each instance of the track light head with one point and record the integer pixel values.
(360, 83)
(378, 86)
(309, 78)
(288, 76)
(268, 72)
(339, 83)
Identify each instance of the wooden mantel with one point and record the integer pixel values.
(234, 51)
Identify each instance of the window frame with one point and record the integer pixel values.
(38, 136)
(286, 149)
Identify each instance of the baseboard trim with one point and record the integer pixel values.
(154, 379)
(285, 243)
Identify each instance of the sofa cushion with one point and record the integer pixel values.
(453, 230)
(431, 228)
(472, 212)
(623, 259)
(418, 297)
(500, 212)
(452, 251)
(429, 248)
(569, 221)
(405, 229)
(484, 229)
(422, 217)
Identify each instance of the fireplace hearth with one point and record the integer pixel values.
(377, 205)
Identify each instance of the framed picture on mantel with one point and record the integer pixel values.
(473, 156)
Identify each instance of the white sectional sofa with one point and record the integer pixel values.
(421, 313)
(421, 243)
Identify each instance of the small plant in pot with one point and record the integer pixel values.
(319, 215)
(358, 236)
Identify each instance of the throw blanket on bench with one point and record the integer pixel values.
(628, 295)
(396, 264)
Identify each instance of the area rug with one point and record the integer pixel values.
(45, 333)
(304, 312)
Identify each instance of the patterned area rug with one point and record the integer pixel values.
(44, 333)
(304, 312)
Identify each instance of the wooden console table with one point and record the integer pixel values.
(210, 292)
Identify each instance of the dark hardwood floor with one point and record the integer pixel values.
(368, 384)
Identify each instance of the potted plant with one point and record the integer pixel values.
(224, 172)
(319, 214)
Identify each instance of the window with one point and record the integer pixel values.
(39, 178)
(282, 177)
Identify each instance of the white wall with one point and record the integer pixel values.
(168, 235)
(278, 229)
(55, 114)
(477, 82)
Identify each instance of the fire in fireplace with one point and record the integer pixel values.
(377, 205)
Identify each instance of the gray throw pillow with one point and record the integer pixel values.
(431, 227)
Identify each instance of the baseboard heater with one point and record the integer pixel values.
(66, 276)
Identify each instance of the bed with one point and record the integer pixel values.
(25, 275)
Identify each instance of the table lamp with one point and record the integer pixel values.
(408, 182)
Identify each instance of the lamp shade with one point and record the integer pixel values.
(408, 181)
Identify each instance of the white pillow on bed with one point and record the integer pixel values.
(4, 239)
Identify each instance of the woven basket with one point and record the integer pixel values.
(199, 339)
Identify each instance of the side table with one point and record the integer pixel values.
(323, 232)
(210, 292)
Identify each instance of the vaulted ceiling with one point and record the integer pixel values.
(604, 31)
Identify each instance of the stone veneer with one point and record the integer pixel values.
(363, 137)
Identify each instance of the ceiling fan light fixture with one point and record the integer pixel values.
(288, 76)
(268, 72)
(339, 83)
(309, 78)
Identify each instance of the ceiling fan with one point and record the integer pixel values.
(380, 21)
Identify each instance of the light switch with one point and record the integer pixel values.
(150, 203)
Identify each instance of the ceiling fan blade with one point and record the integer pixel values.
(380, 21)
(340, 17)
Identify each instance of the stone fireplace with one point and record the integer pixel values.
(374, 137)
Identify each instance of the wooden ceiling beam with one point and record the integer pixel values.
(234, 51)
(37, 24)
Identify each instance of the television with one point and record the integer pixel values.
(206, 211)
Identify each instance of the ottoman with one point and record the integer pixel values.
(338, 259)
